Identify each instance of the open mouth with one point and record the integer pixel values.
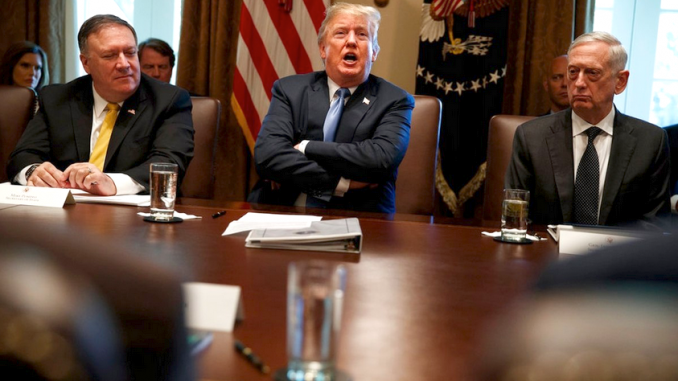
(350, 57)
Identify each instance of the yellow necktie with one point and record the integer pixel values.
(98, 155)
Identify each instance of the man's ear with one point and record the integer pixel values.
(374, 55)
(85, 63)
(323, 52)
(621, 81)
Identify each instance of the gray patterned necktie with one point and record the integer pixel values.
(334, 115)
(588, 183)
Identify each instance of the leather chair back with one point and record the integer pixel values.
(16, 109)
(499, 149)
(415, 186)
(199, 179)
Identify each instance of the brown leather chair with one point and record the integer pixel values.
(199, 179)
(499, 148)
(16, 109)
(415, 186)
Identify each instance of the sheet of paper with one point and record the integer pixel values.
(252, 221)
(212, 307)
(128, 199)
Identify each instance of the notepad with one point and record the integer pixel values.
(81, 196)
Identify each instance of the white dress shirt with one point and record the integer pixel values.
(602, 142)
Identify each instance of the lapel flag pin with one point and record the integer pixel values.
(131, 112)
(366, 101)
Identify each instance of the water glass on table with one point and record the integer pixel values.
(163, 190)
(315, 293)
(514, 212)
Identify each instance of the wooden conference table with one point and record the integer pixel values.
(417, 299)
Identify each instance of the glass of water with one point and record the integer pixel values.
(163, 190)
(514, 212)
(315, 293)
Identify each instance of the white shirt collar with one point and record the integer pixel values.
(579, 125)
(334, 87)
(100, 103)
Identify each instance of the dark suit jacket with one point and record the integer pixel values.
(371, 141)
(637, 181)
(153, 125)
(672, 132)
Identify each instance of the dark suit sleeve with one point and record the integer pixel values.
(172, 139)
(519, 174)
(658, 200)
(372, 160)
(276, 159)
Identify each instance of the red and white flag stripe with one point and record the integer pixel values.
(276, 39)
(444, 8)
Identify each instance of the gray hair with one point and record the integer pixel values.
(371, 14)
(95, 23)
(618, 56)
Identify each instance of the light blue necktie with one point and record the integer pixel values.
(334, 115)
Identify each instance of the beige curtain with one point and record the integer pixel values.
(537, 34)
(209, 35)
(40, 21)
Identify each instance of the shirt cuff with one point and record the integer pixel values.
(125, 184)
(674, 200)
(342, 187)
(20, 178)
(302, 146)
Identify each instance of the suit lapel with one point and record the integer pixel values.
(560, 149)
(129, 113)
(317, 109)
(81, 108)
(623, 145)
(354, 111)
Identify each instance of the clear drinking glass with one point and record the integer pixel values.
(315, 293)
(514, 212)
(163, 190)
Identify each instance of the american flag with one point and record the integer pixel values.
(276, 40)
(443, 8)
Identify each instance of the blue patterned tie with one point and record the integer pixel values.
(334, 115)
(588, 183)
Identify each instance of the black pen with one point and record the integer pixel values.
(251, 357)
(219, 214)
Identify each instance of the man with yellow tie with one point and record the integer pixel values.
(100, 132)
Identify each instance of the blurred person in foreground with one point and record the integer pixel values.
(303, 157)
(555, 85)
(625, 179)
(100, 132)
(157, 59)
(24, 64)
(79, 306)
(608, 315)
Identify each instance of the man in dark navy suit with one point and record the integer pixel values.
(148, 121)
(303, 162)
(627, 158)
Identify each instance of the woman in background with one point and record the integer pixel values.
(24, 64)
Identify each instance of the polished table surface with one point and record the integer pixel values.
(418, 297)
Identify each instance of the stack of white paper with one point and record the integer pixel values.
(252, 221)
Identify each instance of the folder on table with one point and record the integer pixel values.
(341, 235)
